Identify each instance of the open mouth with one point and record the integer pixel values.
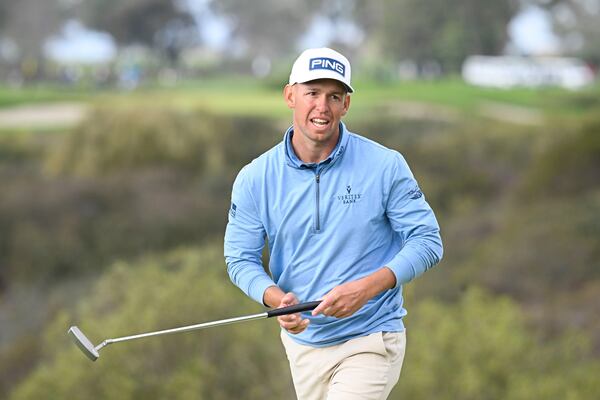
(321, 122)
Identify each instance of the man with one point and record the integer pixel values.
(345, 222)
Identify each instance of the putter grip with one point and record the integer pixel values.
(296, 308)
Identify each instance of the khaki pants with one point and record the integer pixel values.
(364, 368)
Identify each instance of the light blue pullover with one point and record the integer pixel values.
(330, 223)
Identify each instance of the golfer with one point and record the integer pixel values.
(346, 223)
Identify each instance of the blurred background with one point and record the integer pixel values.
(123, 124)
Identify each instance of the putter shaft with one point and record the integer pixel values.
(92, 352)
(184, 329)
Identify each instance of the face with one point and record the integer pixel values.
(318, 106)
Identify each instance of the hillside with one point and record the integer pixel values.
(115, 223)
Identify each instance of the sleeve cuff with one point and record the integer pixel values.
(402, 268)
(257, 288)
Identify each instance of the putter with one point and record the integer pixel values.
(93, 352)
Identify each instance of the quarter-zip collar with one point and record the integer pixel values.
(293, 161)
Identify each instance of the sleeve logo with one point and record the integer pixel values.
(415, 193)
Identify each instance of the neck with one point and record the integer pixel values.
(312, 152)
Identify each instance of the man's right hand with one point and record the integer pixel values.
(293, 323)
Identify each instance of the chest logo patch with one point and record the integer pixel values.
(349, 197)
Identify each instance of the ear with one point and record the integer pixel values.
(289, 95)
(346, 104)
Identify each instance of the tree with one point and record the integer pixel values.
(29, 23)
(444, 32)
(158, 24)
(3, 11)
(426, 32)
(267, 27)
(576, 23)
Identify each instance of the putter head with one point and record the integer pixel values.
(83, 343)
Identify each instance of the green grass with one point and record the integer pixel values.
(456, 94)
(246, 96)
(10, 96)
(220, 98)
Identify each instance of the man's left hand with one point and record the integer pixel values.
(345, 299)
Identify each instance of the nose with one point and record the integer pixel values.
(321, 102)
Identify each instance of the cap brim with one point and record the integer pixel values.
(349, 88)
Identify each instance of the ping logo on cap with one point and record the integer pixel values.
(327, 63)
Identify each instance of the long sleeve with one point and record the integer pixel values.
(244, 242)
(413, 220)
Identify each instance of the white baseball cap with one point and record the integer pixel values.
(321, 63)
